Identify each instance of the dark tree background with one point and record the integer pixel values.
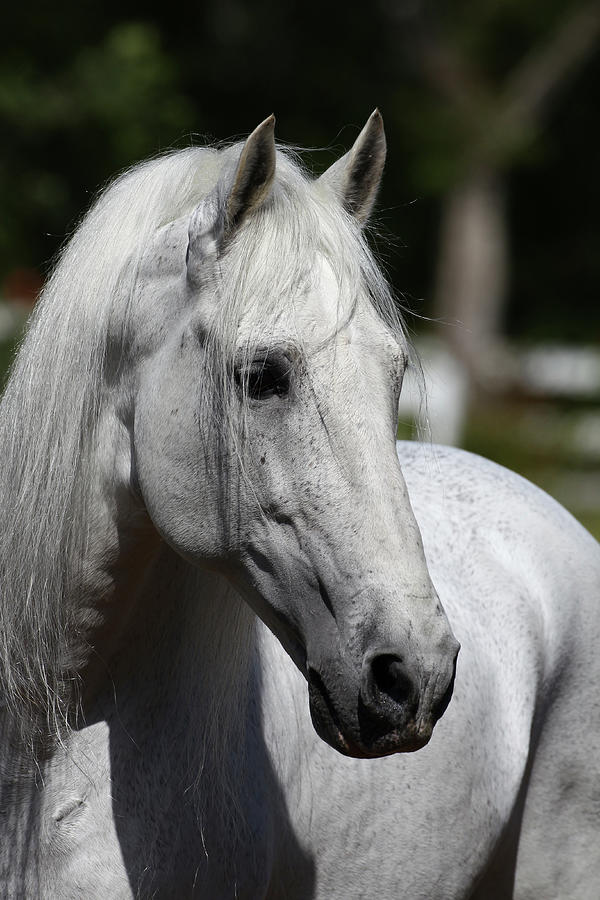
(87, 89)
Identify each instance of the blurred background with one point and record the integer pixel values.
(487, 221)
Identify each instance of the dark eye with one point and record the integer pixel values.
(264, 378)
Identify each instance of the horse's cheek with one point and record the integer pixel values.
(170, 470)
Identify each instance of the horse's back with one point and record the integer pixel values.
(503, 802)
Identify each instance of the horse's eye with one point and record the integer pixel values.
(263, 379)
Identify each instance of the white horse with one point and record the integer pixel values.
(198, 438)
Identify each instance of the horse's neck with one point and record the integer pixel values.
(175, 721)
(177, 674)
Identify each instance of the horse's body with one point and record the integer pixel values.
(194, 768)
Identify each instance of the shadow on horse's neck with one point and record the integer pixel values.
(180, 690)
(182, 700)
(172, 638)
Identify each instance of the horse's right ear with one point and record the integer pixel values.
(355, 177)
(220, 214)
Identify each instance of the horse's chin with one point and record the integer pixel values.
(359, 739)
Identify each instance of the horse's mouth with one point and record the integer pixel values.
(357, 732)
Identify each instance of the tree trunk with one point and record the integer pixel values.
(472, 275)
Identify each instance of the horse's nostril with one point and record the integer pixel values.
(391, 678)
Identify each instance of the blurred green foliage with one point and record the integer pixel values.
(108, 104)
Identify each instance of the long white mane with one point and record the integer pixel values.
(76, 339)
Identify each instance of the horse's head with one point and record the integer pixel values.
(264, 439)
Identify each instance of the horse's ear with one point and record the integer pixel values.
(222, 212)
(254, 175)
(355, 177)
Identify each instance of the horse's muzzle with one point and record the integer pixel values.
(394, 711)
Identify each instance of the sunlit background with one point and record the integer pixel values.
(487, 221)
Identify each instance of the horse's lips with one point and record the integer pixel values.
(326, 722)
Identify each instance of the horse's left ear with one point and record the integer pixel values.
(355, 177)
(234, 198)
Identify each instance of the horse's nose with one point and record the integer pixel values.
(388, 686)
(393, 691)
